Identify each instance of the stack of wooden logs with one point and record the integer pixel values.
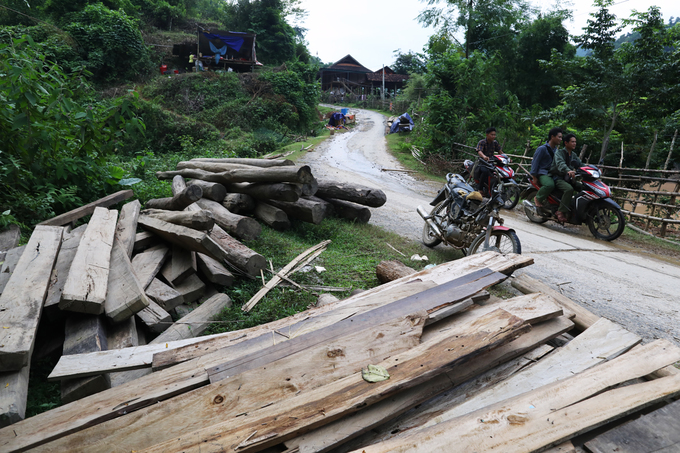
(271, 190)
(428, 362)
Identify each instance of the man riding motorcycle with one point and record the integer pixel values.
(486, 149)
(562, 170)
(540, 166)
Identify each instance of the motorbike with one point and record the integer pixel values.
(463, 219)
(510, 190)
(591, 205)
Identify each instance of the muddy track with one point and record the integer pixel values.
(627, 285)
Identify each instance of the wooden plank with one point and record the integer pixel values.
(125, 295)
(88, 209)
(69, 247)
(658, 431)
(319, 366)
(155, 318)
(126, 229)
(187, 376)
(146, 265)
(9, 264)
(84, 333)
(553, 413)
(195, 323)
(191, 289)
(85, 287)
(214, 271)
(265, 427)
(22, 300)
(9, 238)
(527, 284)
(388, 292)
(182, 264)
(145, 240)
(165, 296)
(13, 395)
(502, 360)
(276, 279)
(603, 341)
(450, 293)
(121, 359)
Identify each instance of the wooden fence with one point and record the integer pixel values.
(657, 190)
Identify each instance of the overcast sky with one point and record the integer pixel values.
(371, 30)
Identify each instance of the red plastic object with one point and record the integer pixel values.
(164, 68)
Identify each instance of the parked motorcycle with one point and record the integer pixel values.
(463, 219)
(509, 189)
(591, 205)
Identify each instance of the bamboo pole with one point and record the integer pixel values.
(651, 150)
(670, 151)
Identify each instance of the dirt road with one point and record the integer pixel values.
(627, 285)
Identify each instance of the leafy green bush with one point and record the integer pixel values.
(110, 44)
(55, 136)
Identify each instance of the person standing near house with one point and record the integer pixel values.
(540, 167)
(486, 149)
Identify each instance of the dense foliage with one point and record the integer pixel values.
(56, 135)
(518, 71)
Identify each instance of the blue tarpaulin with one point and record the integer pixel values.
(231, 41)
(337, 119)
(399, 124)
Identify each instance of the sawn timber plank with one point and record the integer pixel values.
(268, 426)
(248, 392)
(553, 413)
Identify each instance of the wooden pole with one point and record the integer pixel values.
(662, 233)
(583, 151)
(670, 151)
(651, 150)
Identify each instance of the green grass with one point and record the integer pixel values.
(399, 145)
(646, 240)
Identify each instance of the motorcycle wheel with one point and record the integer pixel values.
(511, 196)
(536, 219)
(430, 239)
(606, 222)
(501, 241)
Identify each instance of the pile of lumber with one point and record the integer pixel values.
(416, 364)
(271, 190)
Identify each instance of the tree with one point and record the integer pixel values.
(408, 63)
(488, 24)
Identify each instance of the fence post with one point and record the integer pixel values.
(583, 152)
(670, 151)
(662, 233)
(651, 150)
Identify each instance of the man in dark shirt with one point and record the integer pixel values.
(486, 149)
(564, 163)
(540, 166)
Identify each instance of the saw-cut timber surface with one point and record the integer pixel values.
(304, 209)
(126, 228)
(191, 289)
(212, 190)
(264, 427)
(272, 216)
(658, 431)
(69, 247)
(180, 266)
(88, 278)
(238, 255)
(318, 366)
(146, 265)
(187, 376)
(553, 413)
(8, 265)
(155, 318)
(214, 271)
(165, 296)
(22, 299)
(13, 396)
(125, 295)
(88, 209)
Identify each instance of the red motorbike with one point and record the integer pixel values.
(507, 185)
(591, 205)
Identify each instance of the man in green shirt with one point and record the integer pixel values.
(563, 165)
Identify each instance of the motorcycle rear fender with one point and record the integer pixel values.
(440, 197)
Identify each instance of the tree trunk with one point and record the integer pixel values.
(248, 161)
(239, 203)
(363, 195)
(605, 140)
(350, 211)
(212, 190)
(181, 200)
(651, 150)
(238, 225)
(388, 271)
(272, 216)
(280, 191)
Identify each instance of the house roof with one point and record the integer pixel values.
(390, 76)
(347, 64)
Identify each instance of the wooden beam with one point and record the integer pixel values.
(553, 413)
(180, 266)
(85, 287)
(22, 300)
(155, 318)
(88, 209)
(125, 294)
(191, 289)
(126, 229)
(69, 247)
(195, 323)
(146, 265)
(213, 270)
(9, 264)
(165, 296)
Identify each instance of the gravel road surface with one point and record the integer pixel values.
(628, 285)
